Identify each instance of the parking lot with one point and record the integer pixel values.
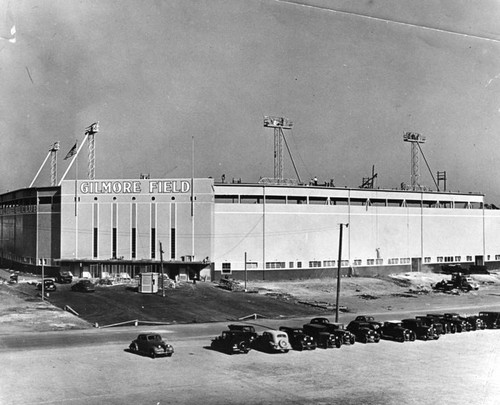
(456, 369)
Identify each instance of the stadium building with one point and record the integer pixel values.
(198, 227)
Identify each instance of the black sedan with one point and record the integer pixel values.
(151, 344)
(363, 331)
(48, 285)
(298, 339)
(83, 286)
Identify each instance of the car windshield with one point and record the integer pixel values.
(281, 335)
(153, 337)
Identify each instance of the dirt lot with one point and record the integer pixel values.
(21, 308)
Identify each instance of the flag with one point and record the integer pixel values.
(71, 152)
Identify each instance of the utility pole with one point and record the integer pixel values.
(338, 274)
(245, 271)
(162, 279)
(42, 262)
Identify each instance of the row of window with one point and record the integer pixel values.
(286, 199)
(226, 266)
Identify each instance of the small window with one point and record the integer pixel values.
(315, 263)
(299, 265)
(379, 261)
(370, 262)
(318, 200)
(226, 199)
(273, 199)
(226, 268)
(296, 200)
(251, 265)
(440, 259)
(290, 265)
(427, 259)
(345, 263)
(469, 258)
(357, 262)
(328, 263)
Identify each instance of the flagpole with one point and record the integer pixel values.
(192, 198)
(76, 187)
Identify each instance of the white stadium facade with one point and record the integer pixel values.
(259, 231)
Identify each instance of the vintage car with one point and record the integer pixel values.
(48, 285)
(323, 338)
(491, 319)
(393, 330)
(449, 326)
(64, 276)
(298, 339)
(272, 341)
(369, 320)
(151, 344)
(83, 286)
(421, 331)
(430, 321)
(232, 341)
(248, 329)
(363, 331)
(335, 328)
(476, 322)
(460, 322)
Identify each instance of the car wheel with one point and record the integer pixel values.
(133, 347)
(352, 340)
(152, 354)
(401, 339)
(243, 346)
(338, 344)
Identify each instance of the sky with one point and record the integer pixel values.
(162, 75)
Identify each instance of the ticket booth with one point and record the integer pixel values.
(148, 283)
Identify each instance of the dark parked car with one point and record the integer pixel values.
(83, 286)
(449, 326)
(491, 319)
(476, 322)
(298, 339)
(369, 320)
(430, 321)
(421, 331)
(232, 341)
(394, 330)
(48, 285)
(152, 345)
(64, 276)
(323, 338)
(460, 322)
(363, 332)
(337, 329)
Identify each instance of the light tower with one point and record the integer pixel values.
(53, 164)
(415, 140)
(279, 124)
(90, 132)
